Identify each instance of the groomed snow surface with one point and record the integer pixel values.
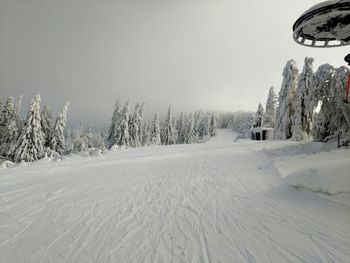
(222, 201)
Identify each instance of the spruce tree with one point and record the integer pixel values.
(30, 146)
(58, 139)
(259, 116)
(9, 129)
(286, 107)
(113, 130)
(212, 125)
(180, 129)
(168, 136)
(203, 130)
(134, 128)
(123, 127)
(270, 110)
(190, 133)
(303, 115)
(46, 124)
(155, 132)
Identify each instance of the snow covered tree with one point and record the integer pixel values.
(146, 133)
(134, 128)
(141, 124)
(203, 131)
(123, 138)
(270, 110)
(18, 107)
(180, 129)
(69, 142)
(302, 115)
(46, 124)
(58, 140)
(212, 125)
(190, 133)
(30, 146)
(168, 134)
(286, 107)
(80, 140)
(113, 130)
(9, 129)
(259, 116)
(198, 115)
(155, 133)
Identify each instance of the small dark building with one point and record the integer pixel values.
(261, 133)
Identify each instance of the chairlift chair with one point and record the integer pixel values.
(325, 25)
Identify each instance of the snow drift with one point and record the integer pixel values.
(332, 177)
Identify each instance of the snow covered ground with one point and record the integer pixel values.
(222, 201)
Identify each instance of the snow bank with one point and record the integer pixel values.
(332, 177)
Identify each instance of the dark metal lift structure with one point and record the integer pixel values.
(325, 25)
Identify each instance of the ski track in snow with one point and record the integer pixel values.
(213, 202)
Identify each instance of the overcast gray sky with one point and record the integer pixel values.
(211, 54)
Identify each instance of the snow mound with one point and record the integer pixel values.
(304, 148)
(94, 152)
(7, 164)
(330, 177)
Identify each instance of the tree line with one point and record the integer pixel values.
(310, 105)
(38, 135)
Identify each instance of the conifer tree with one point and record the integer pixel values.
(58, 139)
(113, 130)
(180, 129)
(134, 128)
(212, 125)
(142, 127)
(8, 126)
(46, 124)
(18, 107)
(286, 107)
(270, 110)
(190, 133)
(168, 137)
(155, 132)
(31, 142)
(123, 127)
(303, 115)
(259, 116)
(80, 140)
(203, 130)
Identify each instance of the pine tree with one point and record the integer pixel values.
(180, 129)
(141, 125)
(31, 142)
(190, 133)
(259, 116)
(168, 134)
(18, 107)
(115, 122)
(46, 124)
(155, 132)
(8, 126)
(203, 130)
(146, 133)
(123, 127)
(69, 143)
(303, 115)
(286, 107)
(134, 128)
(58, 139)
(270, 110)
(80, 140)
(212, 125)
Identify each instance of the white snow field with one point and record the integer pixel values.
(222, 201)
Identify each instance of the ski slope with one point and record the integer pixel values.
(222, 201)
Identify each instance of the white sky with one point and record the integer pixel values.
(221, 55)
